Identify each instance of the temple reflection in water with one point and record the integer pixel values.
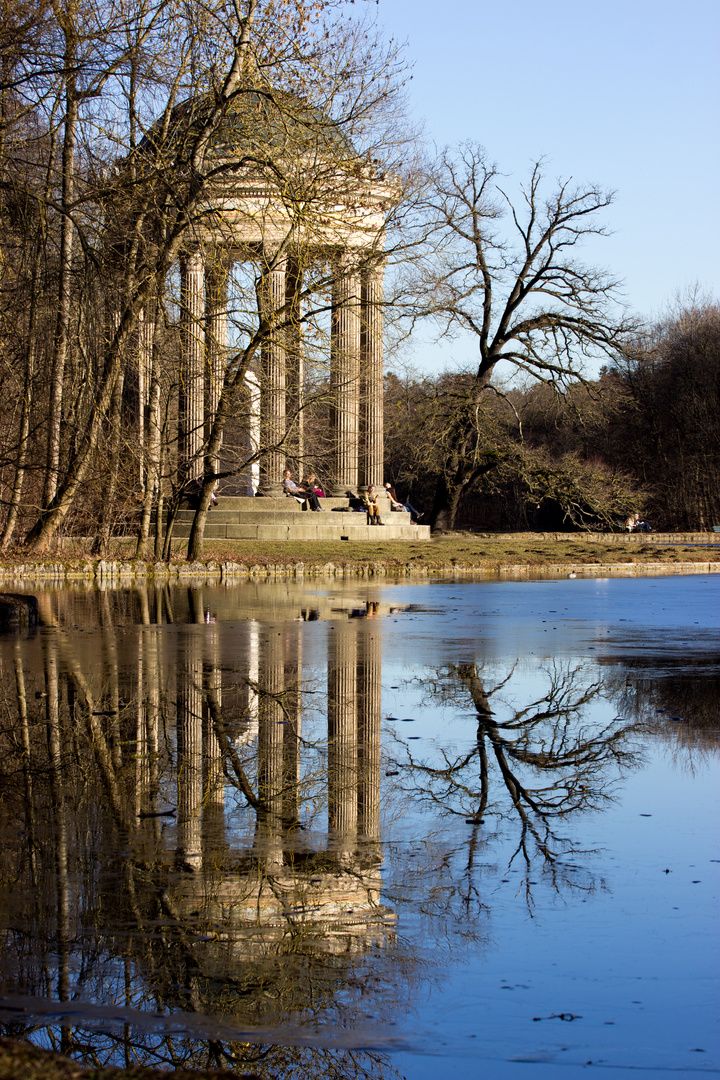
(223, 789)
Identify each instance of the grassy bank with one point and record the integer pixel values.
(464, 553)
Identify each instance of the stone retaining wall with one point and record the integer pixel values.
(611, 538)
(105, 574)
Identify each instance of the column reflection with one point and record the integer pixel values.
(203, 803)
(291, 891)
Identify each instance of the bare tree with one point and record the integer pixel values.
(520, 291)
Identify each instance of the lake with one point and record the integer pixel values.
(352, 830)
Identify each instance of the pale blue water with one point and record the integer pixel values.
(535, 943)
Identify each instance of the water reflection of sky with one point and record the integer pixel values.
(624, 976)
(636, 958)
(604, 956)
(563, 617)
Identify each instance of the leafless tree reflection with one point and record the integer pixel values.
(538, 765)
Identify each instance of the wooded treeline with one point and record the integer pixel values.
(644, 437)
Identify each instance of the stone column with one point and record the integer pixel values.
(248, 703)
(292, 726)
(272, 380)
(295, 373)
(213, 776)
(252, 653)
(249, 476)
(372, 457)
(369, 680)
(192, 375)
(344, 377)
(342, 738)
(216, 319)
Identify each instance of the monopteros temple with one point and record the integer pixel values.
(280, 273)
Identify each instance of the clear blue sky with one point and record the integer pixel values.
(622, 93)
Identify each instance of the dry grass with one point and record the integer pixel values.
(463, 551)
(459, 550)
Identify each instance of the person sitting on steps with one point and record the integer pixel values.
(370, 501)
(300, 493)
(195, 493)
(312, 484)
(395, 504)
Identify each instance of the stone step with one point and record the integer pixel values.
(244, 518)
(283, 517)
(316, 529)
(238, 501)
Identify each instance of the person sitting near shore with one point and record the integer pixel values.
(395, 504)
(300, 493)
(635, 524)
(371, 503)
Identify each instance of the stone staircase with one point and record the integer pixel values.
(259, 518)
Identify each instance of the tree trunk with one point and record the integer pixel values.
(100, 546)
(24, 432)
(150, 450)
(197, 532)
(50, 520)
(62, 326)
(445, 505)
(212, 451)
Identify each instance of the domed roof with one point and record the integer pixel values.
(254, 121)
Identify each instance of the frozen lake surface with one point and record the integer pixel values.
(347, 829)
